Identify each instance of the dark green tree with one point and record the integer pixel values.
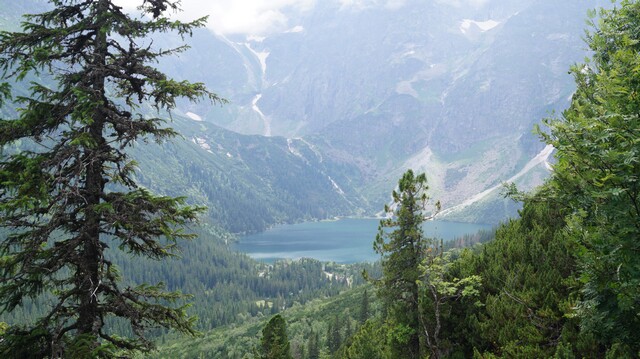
(313, 346)
(275, 342)
(334, 337)
(438, 290)
(348, 328)
(401, 243)
(369, 342)
(68, 193)
(529, 287)
(597, 175)
(365, 310)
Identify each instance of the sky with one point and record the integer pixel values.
(251, 17)
(261, 17)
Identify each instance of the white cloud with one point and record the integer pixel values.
(464, 3)
(358, 4)
(253, 17)
(364, 4)
(395, 4)
(478, 3)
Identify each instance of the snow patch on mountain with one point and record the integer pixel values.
(194, 116)
(540, 158)
(484, 26)
(261, 56)
(202, 142)
(265, 120)
(296, 152)
(335, 185)
(293, 150)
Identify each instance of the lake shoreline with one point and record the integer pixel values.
(344, 240)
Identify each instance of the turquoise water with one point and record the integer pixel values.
(342, 241)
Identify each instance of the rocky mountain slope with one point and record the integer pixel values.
(327, 114)
(450, 88)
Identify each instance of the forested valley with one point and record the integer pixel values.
(93, 264)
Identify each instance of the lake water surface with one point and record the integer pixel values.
(342, 241)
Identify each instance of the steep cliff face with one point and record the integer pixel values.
(452, 88)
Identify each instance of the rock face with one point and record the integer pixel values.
(356, 92)
(452, 88)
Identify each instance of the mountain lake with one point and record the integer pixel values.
(341, 241)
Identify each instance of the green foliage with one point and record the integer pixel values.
(470, 240)
(275, 342)
(249, 183)
(528, 290)
(26, 343)
(598, 142)
(365, 308)
(402, 251)
(437, 290)
(227, 287)
(313, 346)
(61, 199)
(303, 322)
(334, 335)
(368, 342)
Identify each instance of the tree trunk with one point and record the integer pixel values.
(88, 276)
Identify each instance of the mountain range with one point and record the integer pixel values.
(325, 116)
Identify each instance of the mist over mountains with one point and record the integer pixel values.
(331, 107)
(450, 88)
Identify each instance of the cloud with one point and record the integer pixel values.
(394, 4)
(252, 17)
(464, 3)
(364, 4)
(478, 3)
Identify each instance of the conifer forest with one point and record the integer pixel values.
(143, 141)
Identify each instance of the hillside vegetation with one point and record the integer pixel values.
(560, 281)
(94, 264)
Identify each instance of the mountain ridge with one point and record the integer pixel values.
(450, 90)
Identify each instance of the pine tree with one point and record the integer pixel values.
(528, 274)
(313, 347)
(365, 311)
(402, 249)
(68, 194)
(369, 342)
(348, 328)
(275, 342)
(334, 338)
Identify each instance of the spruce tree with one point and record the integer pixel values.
(365, 311)
(369, 342)
(401, 243)
(334, 338)
(313, 346)
(68, 193)
(275, 342)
